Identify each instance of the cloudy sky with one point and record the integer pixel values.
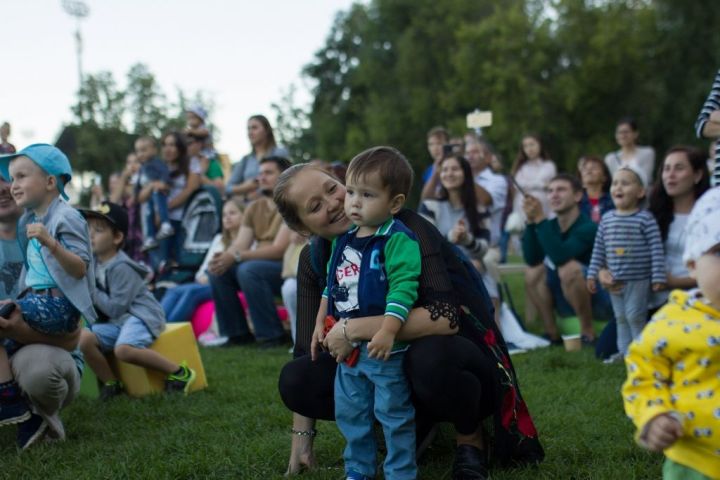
(244, 53)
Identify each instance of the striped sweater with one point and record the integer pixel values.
(630, 246)
(711, 104)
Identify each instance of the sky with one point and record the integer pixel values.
(244, 53)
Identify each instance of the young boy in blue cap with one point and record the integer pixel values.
(131, 317)
(58, 271)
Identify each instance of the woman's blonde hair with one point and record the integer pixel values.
(285, 206)
(226, 235)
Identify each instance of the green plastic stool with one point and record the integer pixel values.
(571, 325)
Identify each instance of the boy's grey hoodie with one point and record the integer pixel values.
(128, 293)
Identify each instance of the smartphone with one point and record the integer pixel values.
(7, 309)
(451, 148)
(517, 185)
(478, 119)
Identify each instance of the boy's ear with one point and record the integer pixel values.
(118, 238)
(51, 183)
(397, 203)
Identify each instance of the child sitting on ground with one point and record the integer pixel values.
(673, 382)
(628, 243)
(154, 173)
(374, 270)
(131, 318)
(58, 271)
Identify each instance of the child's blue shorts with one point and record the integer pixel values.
(48, 314)
(133, 332)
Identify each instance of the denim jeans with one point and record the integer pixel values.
(376, 387)
(170, 248)
(260, 280)
(180, 302)
(630, 306)
(157, 203)
(289, 296)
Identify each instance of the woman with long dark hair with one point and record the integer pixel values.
(457, 378)
(456, 212)
(262, 140)
(683, 178)
(185, 179)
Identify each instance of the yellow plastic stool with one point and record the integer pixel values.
(176, 343)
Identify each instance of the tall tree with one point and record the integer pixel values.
(146, 101)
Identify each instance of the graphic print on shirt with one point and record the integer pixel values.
(347, 276)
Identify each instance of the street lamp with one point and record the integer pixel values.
(79, 10)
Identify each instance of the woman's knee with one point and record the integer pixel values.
(534, 275)
(88, 340)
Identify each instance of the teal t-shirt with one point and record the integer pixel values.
(38, 276)
(11, 263)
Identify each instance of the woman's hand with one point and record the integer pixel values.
(608, 282)
(301, 450)
(317, 340)
(336, 343)
(459, 234)
(220, 263)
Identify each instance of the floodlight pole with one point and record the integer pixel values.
(79, 10)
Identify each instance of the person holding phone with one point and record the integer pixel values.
(531, 173)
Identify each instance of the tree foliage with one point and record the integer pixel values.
(107, 118)
(566, 69)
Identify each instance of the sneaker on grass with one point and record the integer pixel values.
(111, 390)
(12, 412)
(180, 381)
(31, 431)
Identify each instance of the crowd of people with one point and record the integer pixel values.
(393, 310)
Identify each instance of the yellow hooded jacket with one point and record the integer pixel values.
(674, 368)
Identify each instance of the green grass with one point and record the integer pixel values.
(238, 427)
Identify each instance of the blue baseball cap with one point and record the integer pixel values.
(47, 157)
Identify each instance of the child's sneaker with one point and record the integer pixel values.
(13, 407)
(166, 231)
(111, 390)
(180, 382)
(15, 411)
(149, 244)
(614, 358)
(30, 431)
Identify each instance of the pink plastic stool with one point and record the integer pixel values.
(202, 318)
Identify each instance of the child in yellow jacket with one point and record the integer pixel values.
(672, 392)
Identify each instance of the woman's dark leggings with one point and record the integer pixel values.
(451, 380)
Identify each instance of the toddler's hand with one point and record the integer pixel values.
(38, 231)
(661, 432)
(592, 286)
(656, 287)
(381, 345)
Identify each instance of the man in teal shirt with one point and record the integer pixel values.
(558, 253)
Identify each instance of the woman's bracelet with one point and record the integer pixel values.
(304, 433)
(345, 335)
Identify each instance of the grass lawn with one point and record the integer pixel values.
(238, 427)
